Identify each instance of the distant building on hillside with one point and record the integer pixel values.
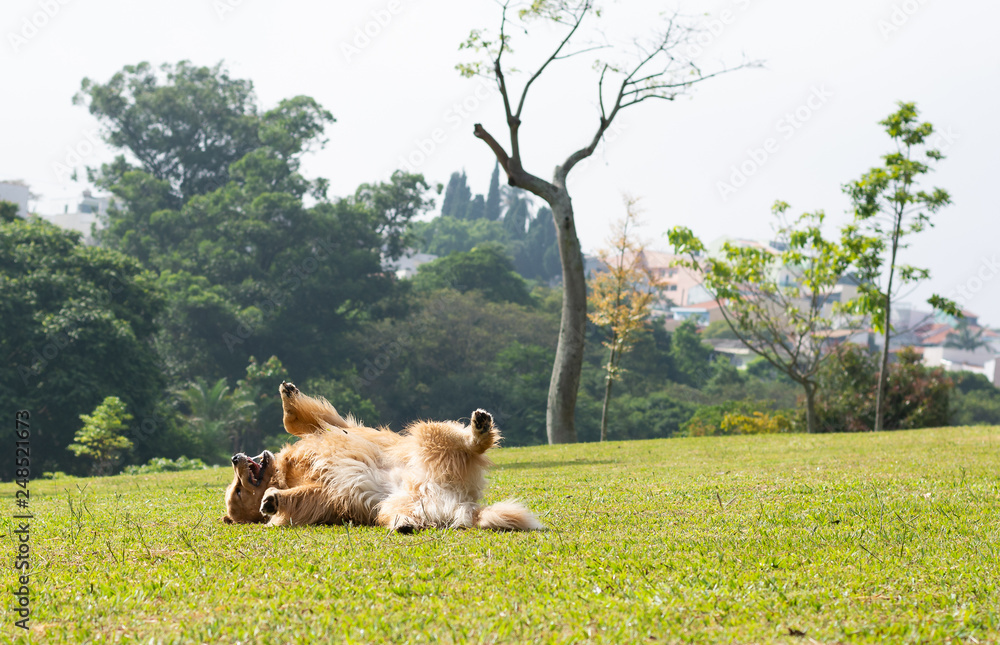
(16, 191)
(406, 266)
(84, 218)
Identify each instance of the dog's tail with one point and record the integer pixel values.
(507, 516)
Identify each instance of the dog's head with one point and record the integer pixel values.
(252, 477)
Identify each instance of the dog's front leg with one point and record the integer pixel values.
(299, 505)
(399, 513)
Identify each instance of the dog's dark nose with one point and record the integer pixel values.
(236, 458)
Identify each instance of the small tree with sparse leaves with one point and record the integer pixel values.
(776, 302)
(621, 296)
(101, 437)
(889, 206)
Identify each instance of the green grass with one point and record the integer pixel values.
(785, 538)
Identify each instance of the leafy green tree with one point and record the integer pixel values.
(445, 235)
(775, 302)
(455, 350)
(514, 385)
(8, 212)
(889, 206)
(389, 207)
(476, 209)
(486, 269)
(657, 415)
(248, 267)
(718, 329)
(515, 220)
(658, 70)
(339, 391)
(260, 389)
(492, 206)
(691, 357)
(537, 256)
(974, 401)
(457, 197)
(724, 374)
(78, 325)
(963, 337)
(101, 438)
(185, 125)
(215, 416)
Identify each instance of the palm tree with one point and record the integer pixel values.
(215, 416)
(965, 338)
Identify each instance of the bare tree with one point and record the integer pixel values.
(656, 71)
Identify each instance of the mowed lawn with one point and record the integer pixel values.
(790, 538)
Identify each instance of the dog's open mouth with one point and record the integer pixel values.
(257, 467)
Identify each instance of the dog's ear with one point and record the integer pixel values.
(227, 520)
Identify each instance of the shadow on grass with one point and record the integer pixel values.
(551, 464)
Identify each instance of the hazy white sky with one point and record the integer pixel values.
(839, 66)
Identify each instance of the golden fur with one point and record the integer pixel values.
(431, 475)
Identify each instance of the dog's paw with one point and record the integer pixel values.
(402, 524)
(269, 505)
(482, 421)
(288, 390)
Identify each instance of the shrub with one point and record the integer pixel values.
(164, 465)
(756, 423)
(916, 396)
(974, 401)
(748, 416)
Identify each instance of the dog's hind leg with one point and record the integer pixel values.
(305, 415)
(507, 516)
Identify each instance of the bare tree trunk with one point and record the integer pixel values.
(608, 383)
(560, 423)
(883, 374)
(811, 422)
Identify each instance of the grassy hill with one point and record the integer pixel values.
(785, 538)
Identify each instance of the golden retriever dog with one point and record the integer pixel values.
(430, 475)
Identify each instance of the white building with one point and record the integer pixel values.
(406, 266)
(17, 192)
(981, 361)
(86, 215)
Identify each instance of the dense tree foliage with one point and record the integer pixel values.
(506, 217)
(248, 266)
(77, 327)
(485, 269)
